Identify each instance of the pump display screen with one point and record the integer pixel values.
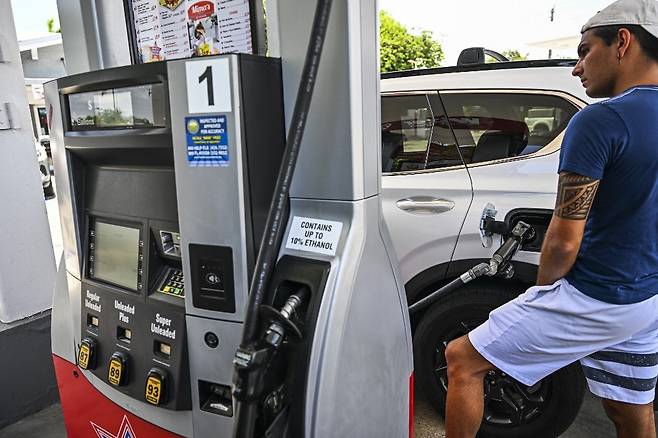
(140, 106)
(115, 254)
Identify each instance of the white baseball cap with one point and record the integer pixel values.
(627, 12)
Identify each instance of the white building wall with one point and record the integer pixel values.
(27, 264)
(50, 63)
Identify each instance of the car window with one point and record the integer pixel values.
(492, 126)
(443, 150)
(407, 122)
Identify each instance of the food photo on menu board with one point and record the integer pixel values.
(202, 28)
(173, 29)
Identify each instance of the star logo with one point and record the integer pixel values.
(125, 430)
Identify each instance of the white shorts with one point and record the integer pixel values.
(549, 327)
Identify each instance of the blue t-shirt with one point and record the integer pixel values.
(616, 141)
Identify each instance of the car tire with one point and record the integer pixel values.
(549, 407)
(49, 191)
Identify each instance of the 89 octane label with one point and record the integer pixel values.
(314, 235)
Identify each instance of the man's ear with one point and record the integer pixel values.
(623, 42)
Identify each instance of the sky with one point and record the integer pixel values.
(31, 16)
(495, 24)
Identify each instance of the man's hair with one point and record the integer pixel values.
(648, 42)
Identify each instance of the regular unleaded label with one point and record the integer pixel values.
(314, 235)
(83, 357)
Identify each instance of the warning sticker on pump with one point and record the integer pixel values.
(314, 235)
(207, 141)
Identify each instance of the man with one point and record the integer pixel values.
(596, 296)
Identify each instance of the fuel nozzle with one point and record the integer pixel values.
(281, 321)
(499, 263)
(253, 360)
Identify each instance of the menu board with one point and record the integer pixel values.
(147, 30)
(172, 29)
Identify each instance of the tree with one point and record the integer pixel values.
(51, 26)
(514, 55)
(400, 50)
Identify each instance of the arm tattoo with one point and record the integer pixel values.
(575, 195)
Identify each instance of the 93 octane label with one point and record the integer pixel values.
(314, 235)
(114, 373)
(83, 357)
(153, 390)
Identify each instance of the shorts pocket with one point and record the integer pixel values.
(536, 292)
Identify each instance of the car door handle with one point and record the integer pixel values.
(425, 205)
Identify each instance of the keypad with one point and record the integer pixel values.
(173, 283)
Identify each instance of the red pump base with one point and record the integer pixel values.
(88, 413)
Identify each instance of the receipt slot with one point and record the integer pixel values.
(165, 175)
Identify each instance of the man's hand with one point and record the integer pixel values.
(575, 196)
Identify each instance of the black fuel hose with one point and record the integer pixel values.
(500, 259)
(279, 213)
(470, 275)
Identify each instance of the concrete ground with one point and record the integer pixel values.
(591, 423)
(47, 423)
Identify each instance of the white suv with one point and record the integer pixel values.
(457, 148)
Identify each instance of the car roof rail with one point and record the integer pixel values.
(478, 55)
(482, 67)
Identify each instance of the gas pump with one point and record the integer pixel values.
(163, 195)
(166, 172)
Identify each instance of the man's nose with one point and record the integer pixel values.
(577, 70)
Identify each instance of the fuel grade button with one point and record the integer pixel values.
(87, 354)
(118, 369)
(156, 382)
